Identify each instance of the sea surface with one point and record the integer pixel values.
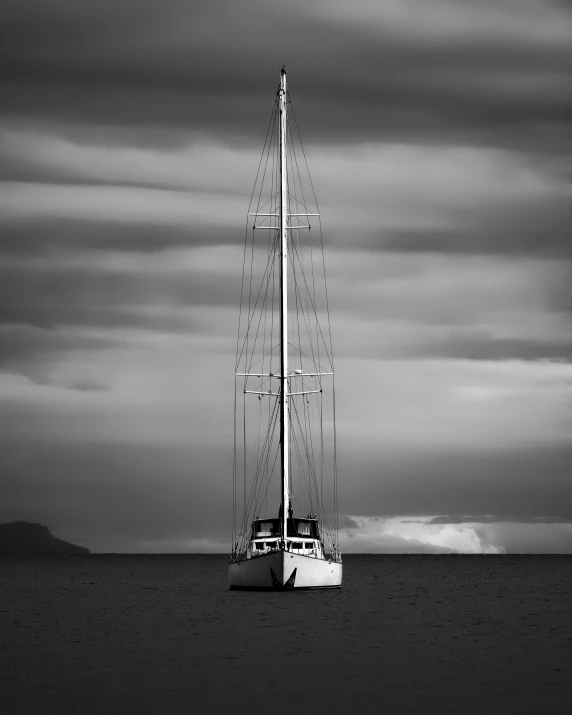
(115, 635)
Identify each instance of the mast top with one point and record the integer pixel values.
(283, 70)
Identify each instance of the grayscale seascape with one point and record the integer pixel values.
(123, 634)
(288, 282)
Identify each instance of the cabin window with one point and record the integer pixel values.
(308, 545)
(306, 528)
(260, 544)
(264, 528)
(296, 546)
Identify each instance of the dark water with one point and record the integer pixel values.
(406, 634)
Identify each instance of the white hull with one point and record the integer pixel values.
(284, 570)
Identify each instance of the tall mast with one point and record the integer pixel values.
(284, 410)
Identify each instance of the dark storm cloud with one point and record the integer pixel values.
(49, 311)
(33, 352)
(61, 235)
(515, 485)
(52, 294)
(346, 522)
(86, 384)
(20, 344)
(42, 378)
(477, 345)
(210, 65)
(541, 231)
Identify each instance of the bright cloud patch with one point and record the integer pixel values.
(403, 535)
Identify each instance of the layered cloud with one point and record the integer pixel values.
(378, 196)
(444, 70)
(436, 134)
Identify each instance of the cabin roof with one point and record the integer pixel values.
(296, 518)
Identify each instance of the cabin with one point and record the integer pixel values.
(303, 536)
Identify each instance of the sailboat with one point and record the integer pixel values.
(284, 407)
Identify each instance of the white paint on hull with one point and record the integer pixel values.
(310, 572)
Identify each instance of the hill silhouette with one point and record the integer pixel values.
(23, 537)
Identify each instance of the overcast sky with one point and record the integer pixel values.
(438, 138)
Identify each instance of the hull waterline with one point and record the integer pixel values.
(282, 570)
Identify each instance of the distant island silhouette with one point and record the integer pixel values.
(25, 538)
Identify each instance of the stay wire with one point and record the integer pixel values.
(234, 470)
(329, 326)
(254, 500)
(270, 124)
(252, 255)
(311, 251)
(297, 295)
